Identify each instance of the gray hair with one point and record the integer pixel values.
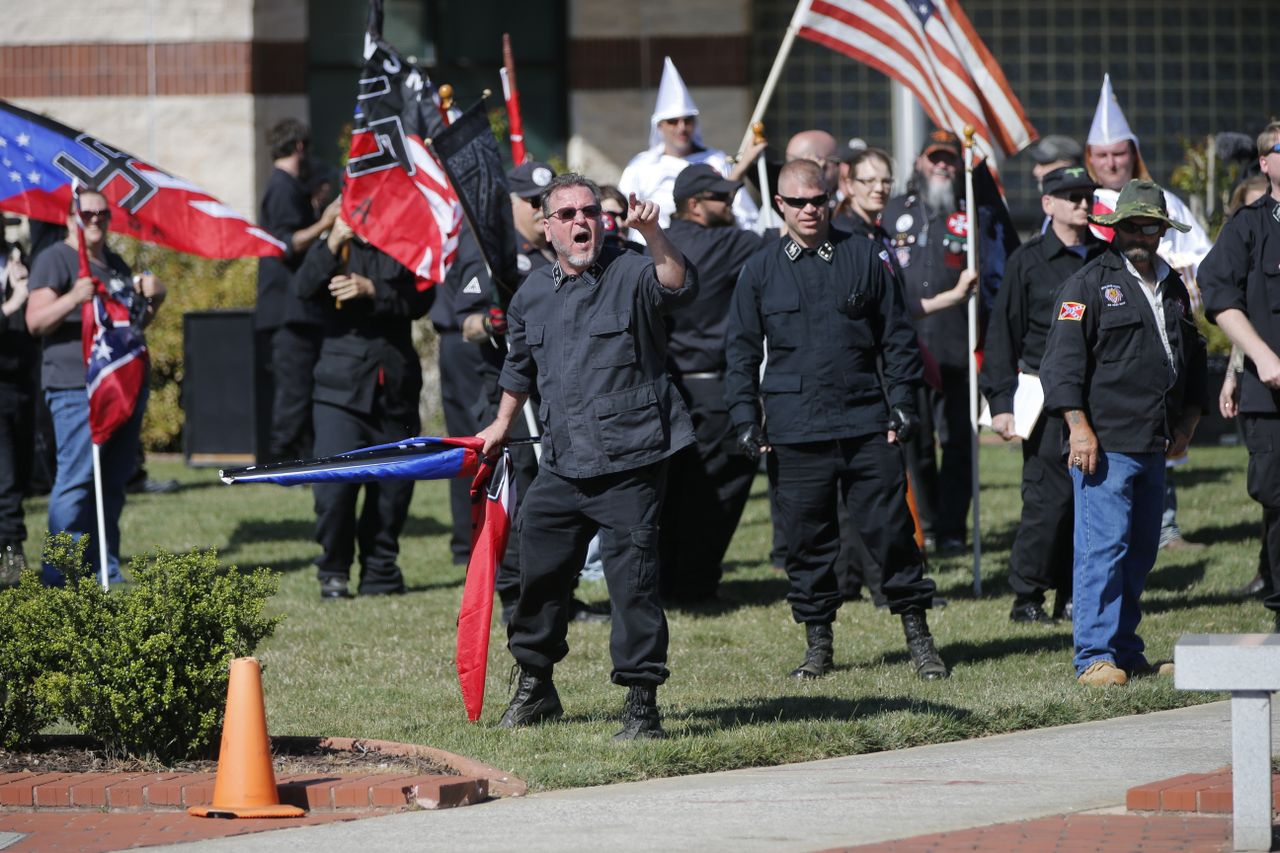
(568, 179)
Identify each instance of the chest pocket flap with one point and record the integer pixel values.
(1119, 334)
(1115, 318)
(612, 343)
(780, 305)
(533, 335)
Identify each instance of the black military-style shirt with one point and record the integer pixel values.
(368, 343)
(1105, 356)
(1024, 310)
(1242, 271)
(596, 347)
(695, 342)
(820, 381)
(286, 208)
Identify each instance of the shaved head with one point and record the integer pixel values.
(819, 147)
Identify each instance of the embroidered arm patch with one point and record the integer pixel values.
(1071, 311)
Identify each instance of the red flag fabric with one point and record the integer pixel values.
(931, 48)
(511, 95)
(42, 159)
(395, 194)
(493, 494)
(115, 357)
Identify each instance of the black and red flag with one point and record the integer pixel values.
(395, 194)
(469, 153)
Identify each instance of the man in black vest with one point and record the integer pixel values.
(589, 331)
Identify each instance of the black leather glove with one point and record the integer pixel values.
(903, 423)
(750, 442)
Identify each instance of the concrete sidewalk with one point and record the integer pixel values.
(812, 806)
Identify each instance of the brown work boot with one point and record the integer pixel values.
(1103, 673)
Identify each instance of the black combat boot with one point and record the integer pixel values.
(924, 656)
(535, 701)
(640, 717)
(817, 658)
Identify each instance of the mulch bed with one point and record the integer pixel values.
(289, 756)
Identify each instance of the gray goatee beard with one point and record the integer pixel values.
(570, 252)
(940, 198)
(1138, 255)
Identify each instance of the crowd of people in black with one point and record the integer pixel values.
(664, 350)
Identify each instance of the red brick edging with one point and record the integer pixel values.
(133, 791)
(1201, 793)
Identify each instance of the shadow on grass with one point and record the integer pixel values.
(965, 652)
(1177, 576)
(798, 708)
(1217, 534)
(1190, 602)
(1198, 476)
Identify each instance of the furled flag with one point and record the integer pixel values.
(423, 458)
(395, 194)
(515, 124)
(40, 159)
(469, 153)
(493, 495)
(115, 355)
(931, 48)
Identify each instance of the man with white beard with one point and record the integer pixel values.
(927, 232)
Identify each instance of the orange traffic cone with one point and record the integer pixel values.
(246, 784)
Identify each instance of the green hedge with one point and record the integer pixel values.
(142, 669)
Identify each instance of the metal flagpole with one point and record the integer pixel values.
(771, 82)
(102, 516)
(971, 226)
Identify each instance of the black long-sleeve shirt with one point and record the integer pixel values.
(1242, 271)
(1024, 310)
(695, 339)
(821, 380)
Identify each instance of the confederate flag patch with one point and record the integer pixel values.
(1071, 311)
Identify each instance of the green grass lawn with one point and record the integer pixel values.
(383, 668)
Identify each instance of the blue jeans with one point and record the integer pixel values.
(72, 508)
(1117, 534)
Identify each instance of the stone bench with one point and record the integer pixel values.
(1248, 666)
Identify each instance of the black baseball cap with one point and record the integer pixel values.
(702, 178)
(530, 180)
(1066, 178)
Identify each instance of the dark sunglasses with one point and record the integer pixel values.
(818, 201)
(90, 215)
(723, 198)
(1076, 198)
(1148, 230)
(568, 214)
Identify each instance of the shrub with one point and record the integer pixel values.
(144, 669)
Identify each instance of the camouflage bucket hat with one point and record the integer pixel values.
(1140, 200)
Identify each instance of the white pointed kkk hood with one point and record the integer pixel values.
(1110, 126)
(674, 101)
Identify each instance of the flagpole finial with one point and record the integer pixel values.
(487, 93)
(969, 132)
(446, 96)
(757, 132)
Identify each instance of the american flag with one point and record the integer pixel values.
(40, 159)
(931, 48)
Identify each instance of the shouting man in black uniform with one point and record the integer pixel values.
(589, 331)
(828, 306)
(707, 485)
(1240, 286)
(1019, 326)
